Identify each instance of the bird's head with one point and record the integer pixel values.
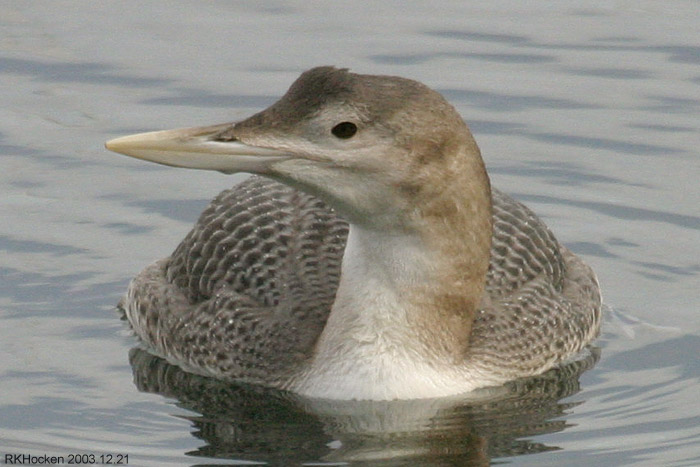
(368, 145)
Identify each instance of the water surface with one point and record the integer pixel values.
(589, 113)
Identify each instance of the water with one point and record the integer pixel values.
(588, 112)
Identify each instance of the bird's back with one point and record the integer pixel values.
(251, 286)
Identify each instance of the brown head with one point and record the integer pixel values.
(374, 147)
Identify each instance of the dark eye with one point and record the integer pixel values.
(344, 130)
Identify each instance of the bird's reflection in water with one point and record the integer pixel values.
(257, 424)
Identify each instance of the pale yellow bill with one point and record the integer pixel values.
(194, 148)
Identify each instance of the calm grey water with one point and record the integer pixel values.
(587, 111)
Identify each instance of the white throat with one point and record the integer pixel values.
(371, 347)
(378, 269)
(381, 264)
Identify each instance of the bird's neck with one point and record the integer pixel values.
(415, 290)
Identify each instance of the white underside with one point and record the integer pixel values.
(385, 377)
(370, 348)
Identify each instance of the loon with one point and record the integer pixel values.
(366, 258)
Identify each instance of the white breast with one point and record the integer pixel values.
(370, 349)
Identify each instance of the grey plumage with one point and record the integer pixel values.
(247, 292)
